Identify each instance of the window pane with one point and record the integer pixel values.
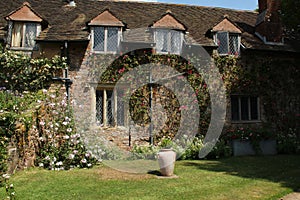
(120, 108)
(98, 39)
(254, 108)
(99, 106)
(30, 34)
(222, 42)
(234, 108)
(109, 111)
(112, 39)
(234, 44)
(244, 108)
(161, 40)
(176, 42)
(17, 34)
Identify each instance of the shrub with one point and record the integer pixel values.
(186, 149)
(144, 152)
(288, 142)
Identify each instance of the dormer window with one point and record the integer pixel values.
(227, 37)
(228, 43)
(168, 34)
(106, 31)
(24, 25)
(168, 41)
(106, 39)
(24, 34)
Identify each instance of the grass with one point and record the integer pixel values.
(234, 178)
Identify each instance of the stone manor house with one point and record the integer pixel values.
(82, 28)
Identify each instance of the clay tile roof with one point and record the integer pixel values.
(106, 18)
(24, 13)
(226, 25)
(169, 21)
(71, 23)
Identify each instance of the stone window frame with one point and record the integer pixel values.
(105, 50)
(114, 107)
(237, 110)
(169, 40)
(11, 25)
(229, 42)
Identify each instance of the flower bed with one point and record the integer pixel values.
(247, 141)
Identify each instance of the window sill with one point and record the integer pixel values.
(105, 52)
(233, 55)
(246, 122)
(167, 53)
(22, 48)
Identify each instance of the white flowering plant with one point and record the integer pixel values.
(59, 145)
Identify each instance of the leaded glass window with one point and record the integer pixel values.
(168, 41)
(228, 43)
(106, 39)
(24, 34)
(245, 108)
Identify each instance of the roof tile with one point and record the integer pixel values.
(226, 25)
(106, 18)
(70, 23)
(169, 21)
(24, 13)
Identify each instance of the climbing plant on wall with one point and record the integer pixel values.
(231, 73)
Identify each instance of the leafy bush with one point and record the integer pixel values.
(222, 149)
(288, 142)
(19, 72)
(186, 149)
(144, 152)
(37, 121)
(59, 145)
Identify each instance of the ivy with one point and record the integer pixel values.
(19, 72)
(232, 74)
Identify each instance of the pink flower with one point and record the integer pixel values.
(183, 107)
(121, 70)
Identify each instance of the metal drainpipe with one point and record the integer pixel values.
(65, 79)
(150, 106)
(68, 82)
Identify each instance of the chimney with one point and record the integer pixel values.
(268, 24)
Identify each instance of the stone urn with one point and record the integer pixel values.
(166, 161)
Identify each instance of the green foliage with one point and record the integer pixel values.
(222, 149)
(19, 72)
(252, 134)
(278, 87)
(291, 13)
(37, 121)
(144, 152)
(9, 187)
(288, 143)
(59, 145)
(232, 75)
(186, 149)
(192, 149)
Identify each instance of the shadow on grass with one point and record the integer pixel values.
(154, 172)
(284, 169)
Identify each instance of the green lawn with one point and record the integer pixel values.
(232, 179)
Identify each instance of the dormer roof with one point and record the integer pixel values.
(169, 21)
(106, 18)
(24, 13)
(226, 25)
